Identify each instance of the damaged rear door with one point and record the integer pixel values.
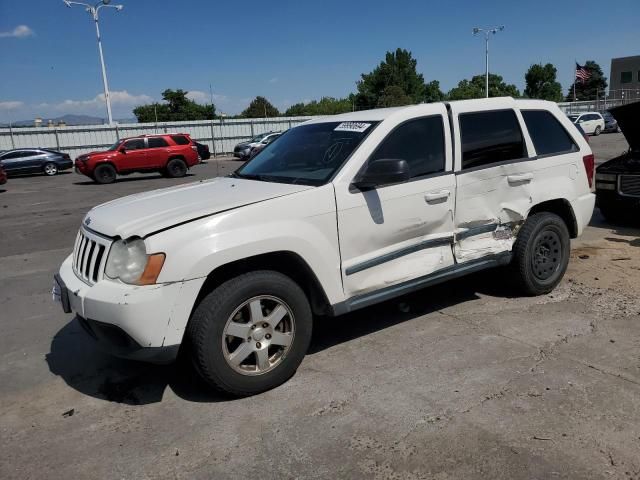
(494, 176)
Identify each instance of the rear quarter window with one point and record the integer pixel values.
(180, 139)
(547, 133)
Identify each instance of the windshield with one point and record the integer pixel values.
(114, 146)
(573, 118)
(258, 138)
(308, 155)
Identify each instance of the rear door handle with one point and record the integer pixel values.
(524, 178)
(436, 196)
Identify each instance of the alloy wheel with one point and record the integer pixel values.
(258, 335)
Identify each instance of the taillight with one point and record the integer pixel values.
(589, 166)
(193, 147)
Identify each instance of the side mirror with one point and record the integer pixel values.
(122, 150)
(383, 171)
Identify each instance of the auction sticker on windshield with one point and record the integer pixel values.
(357, 127)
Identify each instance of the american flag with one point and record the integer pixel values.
(582, 74)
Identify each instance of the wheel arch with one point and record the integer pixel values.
(105, 162)
(286, 262)
(562, 208)
(177, 156)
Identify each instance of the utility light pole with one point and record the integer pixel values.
(93, 11)
(487, 32)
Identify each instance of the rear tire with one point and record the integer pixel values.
(541, 253)
(104, 174)
(250, 334)
(176, 168)
(597, 131)
(50, 169)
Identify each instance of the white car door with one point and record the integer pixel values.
(588, 123)
(494, 177)
(396, 233)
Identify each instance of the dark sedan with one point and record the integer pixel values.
(618, 180)
(610, 123)
(34, 160)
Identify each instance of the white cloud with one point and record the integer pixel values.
(21, 31)
(203, 97)
(118, 98)
(11, 105)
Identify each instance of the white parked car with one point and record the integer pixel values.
(340, 213)
(591, 122)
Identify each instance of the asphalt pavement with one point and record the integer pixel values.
(463, 380)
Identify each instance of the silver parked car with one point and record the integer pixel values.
(34, 160)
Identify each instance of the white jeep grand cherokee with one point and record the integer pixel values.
(337, 214)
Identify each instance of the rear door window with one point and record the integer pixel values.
(420, 142)
(180, 139)
(157, 142)
(490, 137)
(547, 133)
(135, 144)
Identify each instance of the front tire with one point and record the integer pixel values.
(176, 168)
(50, 169)
(251, 333)
(597, 131)
(541, 253)
(104, 174)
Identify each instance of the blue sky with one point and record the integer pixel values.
(288, 51)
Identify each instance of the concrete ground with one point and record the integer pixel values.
(464, 380)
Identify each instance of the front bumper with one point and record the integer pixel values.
(81, 168)
(136, 322)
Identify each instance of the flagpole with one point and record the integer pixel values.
(575, 76)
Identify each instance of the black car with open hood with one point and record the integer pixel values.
(618, 180)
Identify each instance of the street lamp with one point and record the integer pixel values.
(487, 32)
(93, 11)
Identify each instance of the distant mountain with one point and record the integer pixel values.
(68, 119)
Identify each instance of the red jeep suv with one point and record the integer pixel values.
(172, 154)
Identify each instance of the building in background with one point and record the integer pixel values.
(624, 81)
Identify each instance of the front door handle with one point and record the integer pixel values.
(524, 178)
(437, 196)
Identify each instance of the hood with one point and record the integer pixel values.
(146, 213)
(627, 163)
(627, 117)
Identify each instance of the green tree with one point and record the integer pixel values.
(475, 88)
(595, 85)
(394, 96)
(175, 107)
(398, 69)
(541, 83)
(433, 92)
(324, 106)
(260, 107)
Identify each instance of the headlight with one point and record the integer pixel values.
(129, 262)
(607, 177)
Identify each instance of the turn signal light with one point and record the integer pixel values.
(152, 270)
